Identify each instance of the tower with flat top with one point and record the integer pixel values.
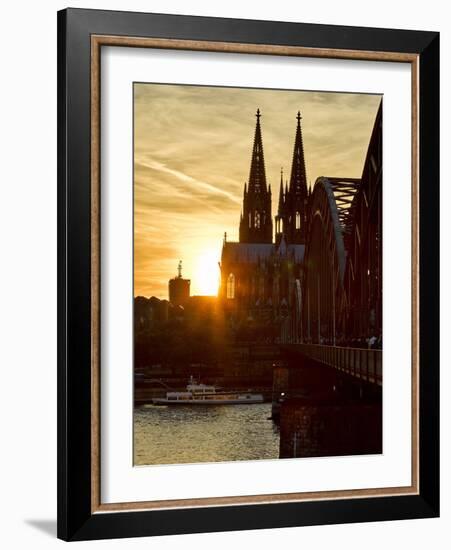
(179, 288)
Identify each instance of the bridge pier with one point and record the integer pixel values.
(326, 411)
(318, 426)
(279, 390)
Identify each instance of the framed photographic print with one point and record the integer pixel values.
(248, 274)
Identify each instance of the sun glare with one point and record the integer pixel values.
(206, 279)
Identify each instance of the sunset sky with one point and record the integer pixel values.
(192, 152)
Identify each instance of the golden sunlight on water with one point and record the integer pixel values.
(177, 435)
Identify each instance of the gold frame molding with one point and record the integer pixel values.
(97, 41)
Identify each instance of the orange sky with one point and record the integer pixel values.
(192, 152)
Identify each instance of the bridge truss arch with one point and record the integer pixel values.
(342, 275)
(324, 299)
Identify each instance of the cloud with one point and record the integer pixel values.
(193, 184)
(192, 151)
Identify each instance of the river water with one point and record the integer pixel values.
(176, 435)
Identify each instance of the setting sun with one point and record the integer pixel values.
(205, 279)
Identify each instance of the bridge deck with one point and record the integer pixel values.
(365, 364)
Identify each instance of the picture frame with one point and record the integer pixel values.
(81, 36)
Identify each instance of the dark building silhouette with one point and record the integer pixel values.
(258, 274)
(317, 279)
(320, 280)
(149, 311)
(179, 289)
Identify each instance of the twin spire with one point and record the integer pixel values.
(257, 176)
(281, 195)
(256, 219)
(298, 180)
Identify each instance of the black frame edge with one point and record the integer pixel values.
(74, 275)
(429, 196)
(251, 31)
(250, 517)
(61, 279)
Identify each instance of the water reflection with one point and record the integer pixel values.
(176, 435)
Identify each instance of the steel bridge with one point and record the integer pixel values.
(338, 301)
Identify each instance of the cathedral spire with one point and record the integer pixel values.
(280, 217)
(281, 197)
(256, 222)
(257, 176)
(296, 196)
(298, 179)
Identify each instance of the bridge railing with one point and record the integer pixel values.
(362, 363)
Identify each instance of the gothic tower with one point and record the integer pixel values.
(256, 218)
(293, 214)
(281, 210)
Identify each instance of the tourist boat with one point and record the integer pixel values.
(201, 394)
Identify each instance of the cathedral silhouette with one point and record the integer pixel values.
(261, 276)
